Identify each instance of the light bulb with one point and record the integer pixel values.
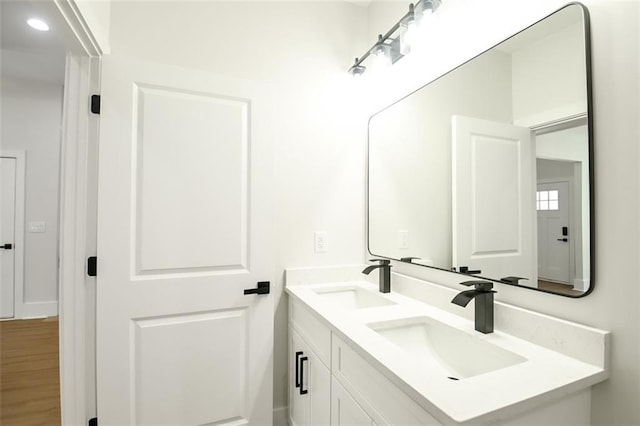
(381, 61)
(357, 69)
(381, 55)
(38, 24)
(408, 36)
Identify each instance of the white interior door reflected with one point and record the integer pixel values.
(554, 232)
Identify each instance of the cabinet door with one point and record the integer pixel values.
(318, 383)
(309, 385)
(298, 405)
(345, 411)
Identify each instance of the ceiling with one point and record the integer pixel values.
(28, 53)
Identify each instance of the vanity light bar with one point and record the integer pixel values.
(386, 43)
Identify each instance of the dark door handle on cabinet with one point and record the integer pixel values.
(298, 368)
(302, 390)
(6, 246)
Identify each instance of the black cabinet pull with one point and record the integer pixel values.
(262, 288)
(297, 368)
(302, 360)
(6, 246)
(563, 239)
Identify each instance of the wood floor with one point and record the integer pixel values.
(559, 288)
(29, 373)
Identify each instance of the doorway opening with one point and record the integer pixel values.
(562, 207)
(45, 78)
(32, 76)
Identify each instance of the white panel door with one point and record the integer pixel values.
(7, 229)
(493, 195)
(183, 230)
(554, 241)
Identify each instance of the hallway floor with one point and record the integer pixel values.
(29, 372)
(559, 288)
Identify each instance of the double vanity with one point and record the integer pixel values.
(359, 356)
(485, 172)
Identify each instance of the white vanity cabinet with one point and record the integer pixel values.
(357, 358)
(309, 384)
(345, 411)
(349, 393)
(383, 401)
(309, 377)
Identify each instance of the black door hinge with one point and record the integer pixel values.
(92, 266)
(95, 104)
(93, 421)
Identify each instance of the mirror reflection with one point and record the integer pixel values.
(486, 170)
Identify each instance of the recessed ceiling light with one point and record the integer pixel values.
(38, 24)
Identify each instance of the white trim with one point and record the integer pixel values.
(281, 416)
(18, 242)
(581, 284)
(39, 309)
(559, 124)
(79, 134)
(77, 219)
(77, 24)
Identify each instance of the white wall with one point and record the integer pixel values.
(549, 78)
(31, 121)
(464, 28)
(303, 49)
(42, 65)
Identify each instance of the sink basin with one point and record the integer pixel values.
(348, 298)
(456, 353)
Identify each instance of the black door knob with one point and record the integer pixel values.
(262, 288)
(6, 246)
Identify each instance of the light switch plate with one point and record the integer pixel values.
(321, 242)
(403, 239)
(37, 227)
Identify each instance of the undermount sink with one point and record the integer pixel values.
(347, 298)
(458, 354)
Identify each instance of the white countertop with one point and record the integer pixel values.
(545, 376)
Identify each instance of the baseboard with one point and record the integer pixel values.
(38, 309)
(581, 285)
(280, 415)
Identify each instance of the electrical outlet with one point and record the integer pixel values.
(403, 239)
(321, 242)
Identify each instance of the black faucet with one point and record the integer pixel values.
(385, 273)
(483, 294)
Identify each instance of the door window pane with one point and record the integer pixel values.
(547, 200)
